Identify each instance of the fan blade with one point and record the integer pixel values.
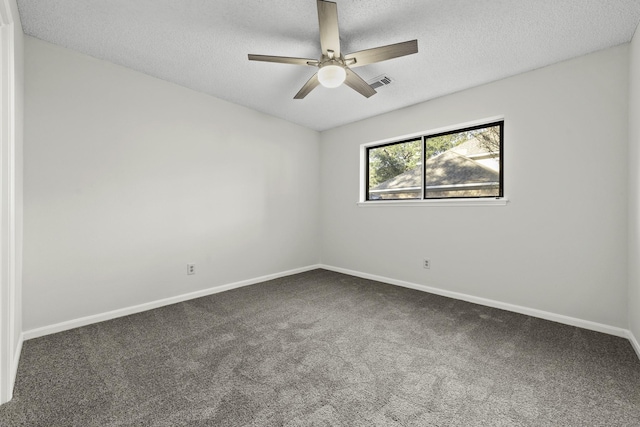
(328, 21)
(356, 83)
(284, 60)
(308, 87)
(382, 53)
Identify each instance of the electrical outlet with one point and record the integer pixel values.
(191, 269)
(426, 263)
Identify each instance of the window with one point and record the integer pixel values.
(463, 163)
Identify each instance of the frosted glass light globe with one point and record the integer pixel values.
(332, 76)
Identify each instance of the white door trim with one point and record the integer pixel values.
(7, 203)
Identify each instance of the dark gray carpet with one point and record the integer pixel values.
(326, 349)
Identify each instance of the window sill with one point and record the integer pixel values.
(502, 201)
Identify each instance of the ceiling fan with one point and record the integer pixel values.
(334, 67)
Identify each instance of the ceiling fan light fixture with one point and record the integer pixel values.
(334, 67)
(331, 75)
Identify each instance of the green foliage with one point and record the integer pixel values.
(440, 144)
(392, 160)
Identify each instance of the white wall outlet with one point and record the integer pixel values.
(426, 263)
(191, 269)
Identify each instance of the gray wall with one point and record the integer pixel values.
(559, 246)
(128, 178)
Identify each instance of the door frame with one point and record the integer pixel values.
(8, 256)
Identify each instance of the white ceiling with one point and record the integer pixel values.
(203, 45)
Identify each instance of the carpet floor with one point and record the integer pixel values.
(326, 349)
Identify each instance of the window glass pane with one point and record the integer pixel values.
(463, 164)
(395, 171)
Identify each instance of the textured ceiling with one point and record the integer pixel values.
(203, 45)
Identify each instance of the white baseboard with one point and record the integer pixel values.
(634, 343)
(76, 323)
(559, 318)
(16, 360)
(13, 370)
